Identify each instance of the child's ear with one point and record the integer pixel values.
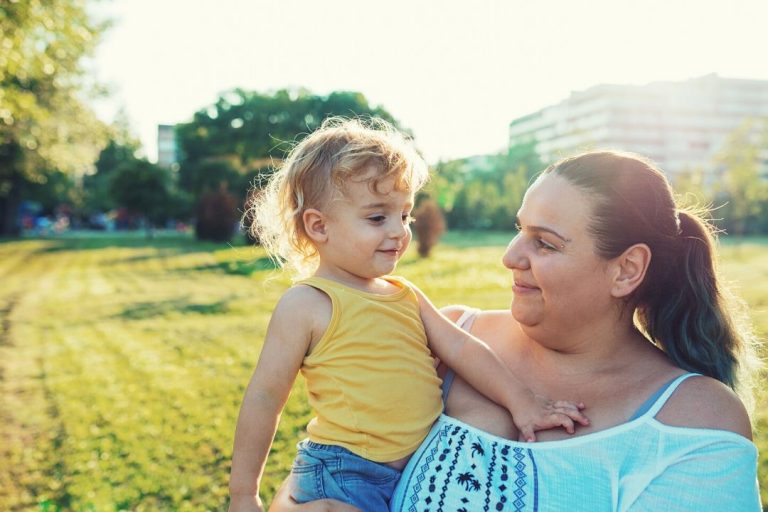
(314, 225)
(630, 269)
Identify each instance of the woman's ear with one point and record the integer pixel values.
(631, 267)
(314, 225)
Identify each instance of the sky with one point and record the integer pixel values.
(454, 72)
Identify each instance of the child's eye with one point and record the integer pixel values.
(407, 219)
(377, 219)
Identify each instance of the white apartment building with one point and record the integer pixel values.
(167, 152)
(680, 125)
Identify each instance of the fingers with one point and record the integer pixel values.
(528, 434)
(566, 423)
(572, 410)
(565, 404)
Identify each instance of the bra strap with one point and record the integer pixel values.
(465, 322)
(662, 400)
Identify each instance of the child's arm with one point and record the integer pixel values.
(476, 362)
(285, 345)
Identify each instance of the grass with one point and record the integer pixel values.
(123, 361)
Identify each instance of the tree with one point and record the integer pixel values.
(44, 125)
(740, 189)
(120, 149)
(144, 189)
(236, 141)
(486, 192)
(249, 130)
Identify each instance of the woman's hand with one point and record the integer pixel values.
(282, 502)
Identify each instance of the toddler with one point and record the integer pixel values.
(338, 210)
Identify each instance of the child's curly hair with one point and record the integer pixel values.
(316, 169)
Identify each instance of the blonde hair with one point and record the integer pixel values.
(316, 169)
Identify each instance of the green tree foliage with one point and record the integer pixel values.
(54, 190)
(97, 187)
(485, 192)
(740, 190)
(44, 124)
(248, 128)
(235, 142)
(144, 189)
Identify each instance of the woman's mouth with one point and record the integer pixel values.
(523, 287)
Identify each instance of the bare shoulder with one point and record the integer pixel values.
(303, 305)
(303, 295)
(493, 321)
(703, 402)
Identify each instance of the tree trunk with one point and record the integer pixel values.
(10, 199)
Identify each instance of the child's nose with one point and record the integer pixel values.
(398, 230)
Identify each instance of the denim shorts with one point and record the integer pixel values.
(323, 471)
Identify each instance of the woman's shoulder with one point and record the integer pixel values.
(703, 402)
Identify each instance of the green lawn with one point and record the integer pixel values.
(123, 361)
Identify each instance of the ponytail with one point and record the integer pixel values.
(682, 305)
(689, 318)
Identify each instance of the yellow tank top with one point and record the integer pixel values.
(371, 377)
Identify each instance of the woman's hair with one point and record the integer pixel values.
(316, 171)
(681, 304)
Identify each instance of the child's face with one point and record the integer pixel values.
(367, 232)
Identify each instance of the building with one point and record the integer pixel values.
(167, 153)
(680, 125)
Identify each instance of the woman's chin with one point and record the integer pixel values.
(524, 316)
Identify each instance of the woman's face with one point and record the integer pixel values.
(560, 283)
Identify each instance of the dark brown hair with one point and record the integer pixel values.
(681, 304)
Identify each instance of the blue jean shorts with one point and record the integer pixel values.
(323, 471)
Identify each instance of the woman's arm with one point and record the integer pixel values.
(719, 475)
(282, 502)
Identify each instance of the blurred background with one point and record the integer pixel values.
(134, 132)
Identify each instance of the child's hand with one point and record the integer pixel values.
(541, 413)
(245, 503)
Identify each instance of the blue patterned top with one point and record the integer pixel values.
(640, 465)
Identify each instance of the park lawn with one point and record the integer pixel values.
(123, 361)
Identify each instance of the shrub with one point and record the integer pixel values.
(217, 216)
(429, 226)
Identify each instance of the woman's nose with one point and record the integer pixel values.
(514, 257)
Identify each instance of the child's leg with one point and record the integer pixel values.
(324, 471)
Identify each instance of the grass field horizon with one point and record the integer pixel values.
(123, 360)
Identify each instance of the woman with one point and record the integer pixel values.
(616, 305)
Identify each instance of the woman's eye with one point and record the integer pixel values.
(542, 244)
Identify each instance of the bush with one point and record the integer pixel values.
(429, 226)
(217, 216)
